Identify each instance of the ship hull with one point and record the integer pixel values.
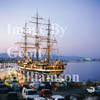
(48, 71)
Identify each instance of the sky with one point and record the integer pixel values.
(80, 20)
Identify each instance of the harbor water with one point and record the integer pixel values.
(85, 70)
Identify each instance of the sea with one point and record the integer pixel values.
(85, 70)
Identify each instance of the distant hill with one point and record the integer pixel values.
(68, 58)
(65, 58)
(4, 55)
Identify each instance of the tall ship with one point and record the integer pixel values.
(37, 55)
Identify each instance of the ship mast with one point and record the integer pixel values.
(37, 40)
(48, 40)
(25, 44)
(25, 40)
(37, 35)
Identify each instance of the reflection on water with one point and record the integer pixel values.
(85, 70)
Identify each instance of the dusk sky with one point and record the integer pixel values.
(79, 18)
